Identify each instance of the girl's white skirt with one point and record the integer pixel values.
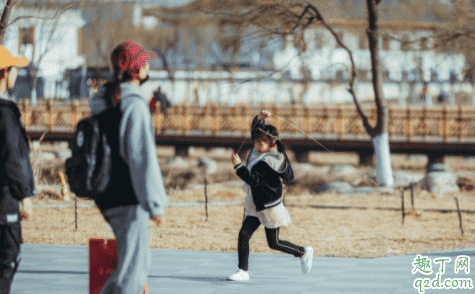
(271, 218)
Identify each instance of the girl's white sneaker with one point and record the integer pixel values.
(307, 260)
(240, 275)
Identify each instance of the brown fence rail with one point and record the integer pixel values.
(411, 124)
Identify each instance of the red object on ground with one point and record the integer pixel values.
(24, 215)
(102, 262)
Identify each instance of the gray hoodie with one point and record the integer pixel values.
(137, 146)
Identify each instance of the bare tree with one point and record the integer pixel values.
(283, 18)
(109, 24)
(42, 34)
(17, 10)
(457, 34)
(4, 21)
(47, 35)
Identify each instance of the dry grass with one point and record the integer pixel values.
(37, 164)
(332, 232)
(354, 232)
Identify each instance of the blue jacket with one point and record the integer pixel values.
(137, 146)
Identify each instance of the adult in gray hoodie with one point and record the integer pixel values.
(140, 193)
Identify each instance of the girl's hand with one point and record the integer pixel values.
(26, 209)
(264, 114)
(235, 159)
(157, 220)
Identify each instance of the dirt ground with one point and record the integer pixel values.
(361, 230)
(351, 232)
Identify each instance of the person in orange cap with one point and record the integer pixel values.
(16, 174)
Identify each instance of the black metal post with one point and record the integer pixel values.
(206, 196)
(402, 204)
(460, 215)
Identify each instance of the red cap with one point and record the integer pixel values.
(133, 57)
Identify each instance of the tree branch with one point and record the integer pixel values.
(382, 118)
(165, 64)
(4, 20)
(370, 130)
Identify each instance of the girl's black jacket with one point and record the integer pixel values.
(264, 177)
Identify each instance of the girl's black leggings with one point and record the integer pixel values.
(249, 226)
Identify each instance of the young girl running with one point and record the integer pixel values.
(267, 164)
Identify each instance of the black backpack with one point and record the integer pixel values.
(89, 169)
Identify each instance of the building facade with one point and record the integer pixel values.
(50, 41)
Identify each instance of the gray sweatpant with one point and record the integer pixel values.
(131, 229)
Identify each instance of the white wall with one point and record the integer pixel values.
(277, 91)
(61, 54)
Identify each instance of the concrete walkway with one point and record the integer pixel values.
(63, 269)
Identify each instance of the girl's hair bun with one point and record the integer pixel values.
(267, 131)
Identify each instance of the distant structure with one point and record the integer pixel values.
(54, 41)
(205, 57)
(320, 74)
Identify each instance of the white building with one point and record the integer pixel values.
(405, 69)
(50, 41)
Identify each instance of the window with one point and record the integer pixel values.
(80, 42)
(424, 44)
(319, 40)
(340, 36)
(26, 36)
(386, 42)
(363, 41)
(405, 45)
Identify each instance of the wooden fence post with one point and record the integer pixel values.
(216, 121)
(50, 115)
(187, 120)
(445, 122)
(25, 109)
(338, 127)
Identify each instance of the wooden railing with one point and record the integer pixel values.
(411, 123)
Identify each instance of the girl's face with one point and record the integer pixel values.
(262, 145)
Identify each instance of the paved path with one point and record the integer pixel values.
(63, 269)
(171, 204)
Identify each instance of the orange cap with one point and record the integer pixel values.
(7, 59)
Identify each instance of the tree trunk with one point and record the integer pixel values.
(4, 20)
(383, 159)
(34, 81)
(379, 135)
(33, 97)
